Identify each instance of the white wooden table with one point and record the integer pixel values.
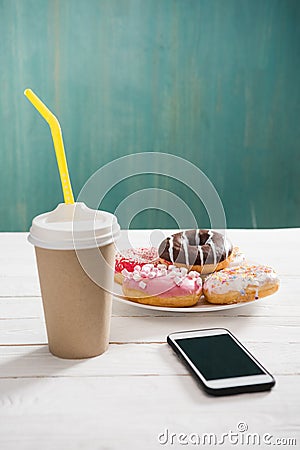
(138, 389)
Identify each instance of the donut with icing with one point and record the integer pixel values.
(240, 284)
(202, 250)
(168, 286)
(131, 257)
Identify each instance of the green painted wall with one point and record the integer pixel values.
(213, 81)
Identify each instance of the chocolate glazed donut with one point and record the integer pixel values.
(201, 250)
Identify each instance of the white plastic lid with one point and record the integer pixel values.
(73, 226)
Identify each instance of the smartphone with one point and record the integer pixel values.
(220, 362)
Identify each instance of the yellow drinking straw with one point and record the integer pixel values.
(58, 143)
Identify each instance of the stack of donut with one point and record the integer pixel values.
(171, 275)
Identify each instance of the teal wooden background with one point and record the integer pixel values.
(213, 81)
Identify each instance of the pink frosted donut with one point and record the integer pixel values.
(162, 285)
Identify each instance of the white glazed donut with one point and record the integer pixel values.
(240, 284)
(162, 286)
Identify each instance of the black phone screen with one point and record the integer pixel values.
(219, 356)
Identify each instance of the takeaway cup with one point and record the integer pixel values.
(75, 252)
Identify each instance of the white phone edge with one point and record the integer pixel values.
(221, 383)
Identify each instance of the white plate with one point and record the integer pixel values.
(201, 306)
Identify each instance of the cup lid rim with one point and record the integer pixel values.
(73, 226)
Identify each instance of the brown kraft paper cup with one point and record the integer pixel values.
(77, 310)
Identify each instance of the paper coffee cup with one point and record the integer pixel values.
(75, 252)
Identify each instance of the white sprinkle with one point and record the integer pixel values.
(178, 281)
(183, 271)
(171, 274)
(136, 277)
(142, 285)
(125, 273)
(172, 267)
(137, 268)
(198, 281)
(151, 275)
(193, 274)
(161, 266)
(148, 266)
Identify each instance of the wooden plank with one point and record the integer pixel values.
(21, 307)
(146, 359)
(18, 272)
(252, 329)
(156, 329)
(131, 411)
